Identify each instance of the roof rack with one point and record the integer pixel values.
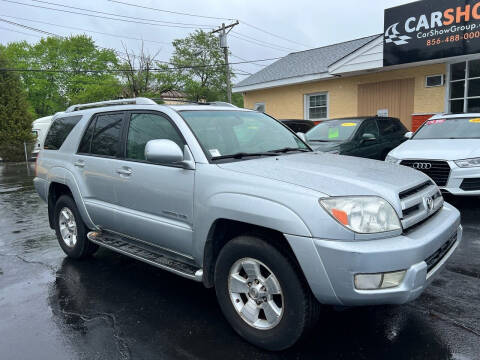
(133, 101)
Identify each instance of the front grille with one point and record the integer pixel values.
(414, 190)
(438, 255)
(470, 184)
(438, 170)
(419, 203)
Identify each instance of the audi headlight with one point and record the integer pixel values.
(466, 163)
(362, 214)
(392, 160)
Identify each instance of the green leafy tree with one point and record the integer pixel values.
(15, 117)
(200, 67)
(60, 78)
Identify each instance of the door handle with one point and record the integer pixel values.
(124, 171)
(79, 163)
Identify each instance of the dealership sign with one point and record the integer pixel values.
(431, 29)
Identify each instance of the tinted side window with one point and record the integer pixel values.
(369, 127)
(87, 138)
(146, 127)
(107, 134)
(387, 126)
(59, 131)
(400, 127)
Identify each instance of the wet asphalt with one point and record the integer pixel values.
(113, 307)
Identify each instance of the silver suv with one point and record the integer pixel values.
(234, 199)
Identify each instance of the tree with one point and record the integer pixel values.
(61, 78)
(200, 67)
(145, 75)
(15, 117)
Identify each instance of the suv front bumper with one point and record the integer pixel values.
(460, 181)
(330, 266)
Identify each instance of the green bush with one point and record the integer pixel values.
(15, 117)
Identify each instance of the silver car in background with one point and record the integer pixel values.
(447, 149)
(234, 199)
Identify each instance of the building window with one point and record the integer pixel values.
(433, 80)
(260, 107)
(316, 106)
(464, 87)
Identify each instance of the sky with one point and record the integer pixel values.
(268, 28)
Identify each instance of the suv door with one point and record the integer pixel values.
(94, 166)
(155, 201)
(363, 148)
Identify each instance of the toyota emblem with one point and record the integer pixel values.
(429, 203)
(422, 166)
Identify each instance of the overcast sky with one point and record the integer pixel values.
(312, 23)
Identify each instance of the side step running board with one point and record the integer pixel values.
(125, 247)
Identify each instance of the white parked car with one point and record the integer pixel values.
(40, 128)
(446, 148)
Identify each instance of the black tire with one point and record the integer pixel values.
(83, 247)
(300, 308)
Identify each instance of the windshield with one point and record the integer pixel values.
(461, 128)
(223, 133)
(334, 130)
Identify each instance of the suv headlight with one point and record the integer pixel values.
(362, 214)
(392, 160)
(466, 163)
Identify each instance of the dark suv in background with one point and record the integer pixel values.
(368, 137)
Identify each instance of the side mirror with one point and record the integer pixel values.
(302, 136)
(163, 151)
(368, 137)
(408, 135)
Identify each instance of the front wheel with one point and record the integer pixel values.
(70, 229)
(262, 293)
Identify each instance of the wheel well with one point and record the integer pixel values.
(224, 230)
(54, 192)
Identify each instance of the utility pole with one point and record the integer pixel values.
(224, 46)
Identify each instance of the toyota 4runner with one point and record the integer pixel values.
(234, 199)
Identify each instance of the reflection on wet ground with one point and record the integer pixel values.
(113, 307)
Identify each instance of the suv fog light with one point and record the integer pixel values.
(379, 281)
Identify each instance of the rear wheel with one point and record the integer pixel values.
(70, 229)
(263, 294)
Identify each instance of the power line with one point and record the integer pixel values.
(30, 28)
(212, 17)
(171, 12)
(86, 30)
(241, 58)
(264, 42)
(20, 32)
(104, 17)
(124, 16)
(63, 37)
(106, 71)
(165, 62)
(257, 43)
(272, 34)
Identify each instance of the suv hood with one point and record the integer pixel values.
(334, 175)
(441, 149)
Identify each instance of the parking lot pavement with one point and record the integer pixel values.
(113, 307)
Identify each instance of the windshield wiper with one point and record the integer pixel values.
(241, 155)
(313, 140)
(288, 149)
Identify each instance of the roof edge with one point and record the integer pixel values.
(283, 82)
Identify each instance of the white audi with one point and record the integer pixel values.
(446, 148)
